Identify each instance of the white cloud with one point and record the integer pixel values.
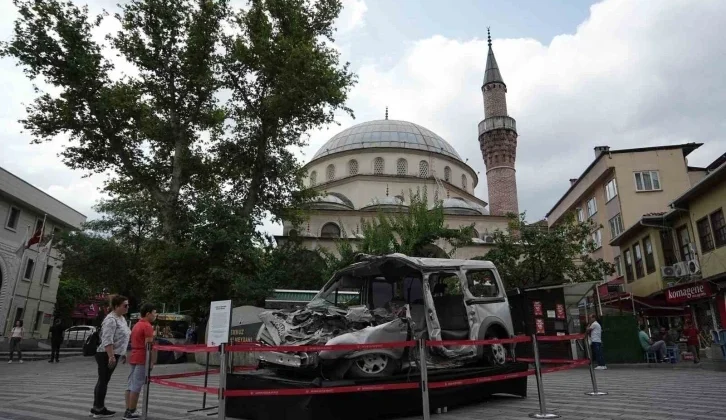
(352, 16)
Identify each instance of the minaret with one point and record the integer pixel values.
(498, 140)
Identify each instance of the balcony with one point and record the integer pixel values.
(493, 123)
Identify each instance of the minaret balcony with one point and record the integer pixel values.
(494, 123)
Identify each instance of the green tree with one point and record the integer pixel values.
(71, 292)
(530, 255)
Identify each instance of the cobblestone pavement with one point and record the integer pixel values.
(39, 390)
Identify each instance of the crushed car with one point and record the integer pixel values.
(399, 298)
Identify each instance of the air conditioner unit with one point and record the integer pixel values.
(667, 271)
(680, 269)
(489, 239)
(693, 267)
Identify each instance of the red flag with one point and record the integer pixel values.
(37, 236)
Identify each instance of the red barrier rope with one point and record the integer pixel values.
(560, 337)
(186, 387)
(319, 391)
(184, 375)
(519, 339)
(336, 347)
(550, 361)
(577, 363)
(189, 348)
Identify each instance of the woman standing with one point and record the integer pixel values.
(114, 341)
(16, 336)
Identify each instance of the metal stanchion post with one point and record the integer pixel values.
(206, 377)
(543, 414)
(595, 392)
(147, 382)
(222, 382)
(424, 378)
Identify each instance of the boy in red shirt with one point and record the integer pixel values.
(691, 333)
(141, 334)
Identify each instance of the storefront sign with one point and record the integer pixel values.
(537, 305)
(220, 313)
(539, 325)
(688, 292)
(560, 309)
(550, 314)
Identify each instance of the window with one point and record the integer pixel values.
(647, 181)
(618, 267)
(580, 215)
(704, 235)
(402, 167)
(591, 207)
(352, 167)
(628, 266)
(638, 253)
(378, 165)
(313, 178)
(29, 264)
(13, 218)
(48, 274)
(649, 258)
(463, 182)
(597, 238)
(666, 243)
(611, 190)
(330, 172)
(684, 243)
(719, 227)
(330, 230)
(616, 226)
(38, 321)
(447, 174)
(423, 169)
(482, 283)
(38, 225)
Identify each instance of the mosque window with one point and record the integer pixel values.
(423, 169)
(353, 167)
(378, 165)
(447, 174)
(463, 182)
(330, 172)
(330, 230)
(402, 167)
(313, 178)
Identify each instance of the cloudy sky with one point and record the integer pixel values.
(622, 73)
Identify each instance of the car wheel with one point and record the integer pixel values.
(372, 366)
(495, 354)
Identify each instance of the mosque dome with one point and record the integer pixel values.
(387, 134)
(457, 205)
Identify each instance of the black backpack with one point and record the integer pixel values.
(92, 343)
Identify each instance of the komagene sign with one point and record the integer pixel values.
(688, 292)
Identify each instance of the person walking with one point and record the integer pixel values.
(595, 332)
(56, 339)
(114, 338)
(691, 334)
(16, 336)
(141, 334)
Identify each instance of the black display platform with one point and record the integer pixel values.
(364, 405)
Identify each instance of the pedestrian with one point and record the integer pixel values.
(141, 334)
(691, 334)
(595, 332)
(649, 345)
(114, 340)
(16, 336)
(56, 339)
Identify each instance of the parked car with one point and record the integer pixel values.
(76, 336)
(400, 298)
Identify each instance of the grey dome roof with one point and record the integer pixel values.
(457, 205)
(332, 200)
(384, 202)
(387, 133)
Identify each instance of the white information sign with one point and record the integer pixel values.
(219, 317)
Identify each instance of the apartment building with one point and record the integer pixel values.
(620, 186)
(679, 256)
(28, 275)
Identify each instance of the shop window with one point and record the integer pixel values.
(402, 167)
(628, 266)
(719, 228)
(638, 254)
(684, 243)
(330, 230)
(704, 235)
(649, 257)
(666, 243)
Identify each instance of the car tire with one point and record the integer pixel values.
(495, 354)
(374, 365)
